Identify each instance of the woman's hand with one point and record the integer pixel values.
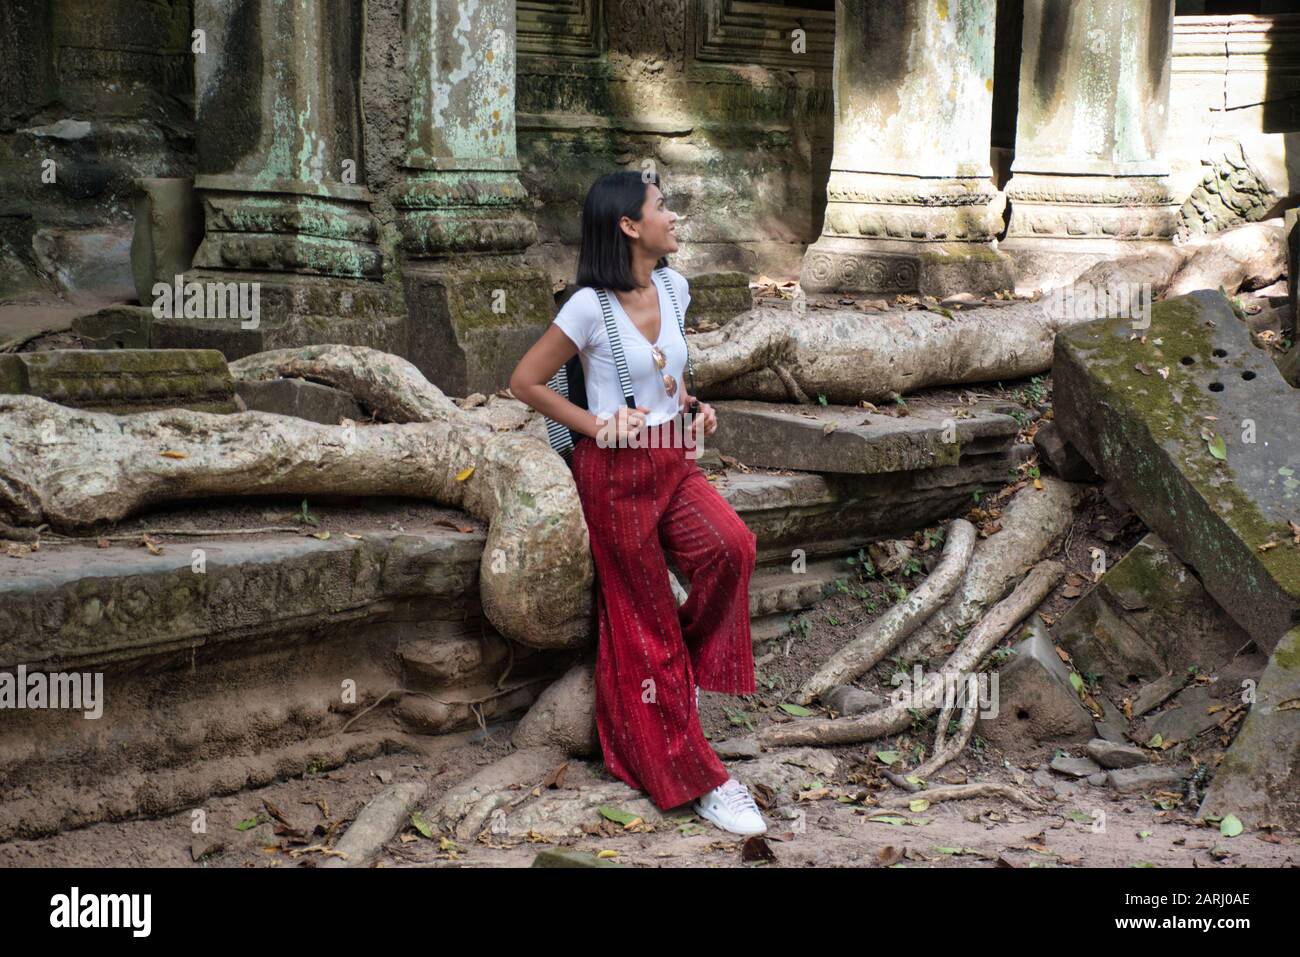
(622, 425)
(705, 418)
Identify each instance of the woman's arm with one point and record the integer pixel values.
(528, 382)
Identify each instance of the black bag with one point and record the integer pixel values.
(570, 381)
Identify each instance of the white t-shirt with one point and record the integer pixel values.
(581, 320)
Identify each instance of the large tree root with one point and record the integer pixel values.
(899, 713)
(770, 353)
(74, 469)
(394, 389)
(875, 642)
(1033, 523)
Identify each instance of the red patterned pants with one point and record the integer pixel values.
(643, 505)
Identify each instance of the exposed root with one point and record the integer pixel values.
(899, 714)
(879, 638)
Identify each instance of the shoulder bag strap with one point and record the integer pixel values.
(616, 347)
(681, 324)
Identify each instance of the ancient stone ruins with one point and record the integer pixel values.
(994, 301)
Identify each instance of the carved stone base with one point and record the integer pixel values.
(471, 320)
(1090, 207)
(444, 212)
(1060, 224)
(839, 264)
(327, 232)
(291, 311)
(912, 208)
(1050, 262)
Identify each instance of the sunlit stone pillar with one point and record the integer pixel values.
(1090, 179)
(474, 306)
(910, 202)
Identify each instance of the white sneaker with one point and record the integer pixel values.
(731, 808)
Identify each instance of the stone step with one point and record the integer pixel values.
(778, 589)
(122, 380)
(848, 439)
(835, 513)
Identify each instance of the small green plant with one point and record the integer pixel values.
(821, 398)
(911, 567)
(862, 563)
(1035, 392)
(998, 655)
(304, 517)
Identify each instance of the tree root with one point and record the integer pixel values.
(75, 469)
(876, 641)
(394, 389)
(965, 792)
(899, 713)
(1033, 522)
(848, 356)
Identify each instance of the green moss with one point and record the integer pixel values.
(1287, 653)
(1146, 421)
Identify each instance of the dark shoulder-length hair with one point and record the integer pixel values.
(605, 254)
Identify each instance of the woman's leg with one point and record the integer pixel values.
(713, 547)
(645, 697)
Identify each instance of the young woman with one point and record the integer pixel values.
(644, 499)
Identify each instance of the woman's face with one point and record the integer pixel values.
(657, 230)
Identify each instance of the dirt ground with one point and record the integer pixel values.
(833, 822)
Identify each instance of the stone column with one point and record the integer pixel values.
(910, 202)
(281, 177)
(1090, 177)
(462, 193)
(474, 306)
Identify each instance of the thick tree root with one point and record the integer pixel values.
(392, 388)
(771, 353)
(75, 469)
(899, 713)
(1034, 523)
(879, 638)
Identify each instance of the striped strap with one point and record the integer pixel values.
(681, 324)
(557, 433)
(616, 347)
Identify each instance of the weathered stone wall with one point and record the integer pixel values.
(709, 91)
(104, 91)
(737, 124)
